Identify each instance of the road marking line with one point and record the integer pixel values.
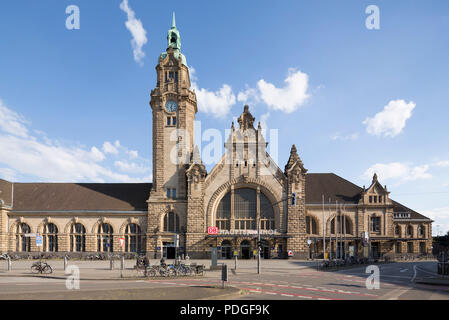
(286, 295)
(414, 275)
(403, 270)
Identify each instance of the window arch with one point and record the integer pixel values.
(311, 225)
(133, 238)
(77, 238)
(344, 225)
(421, 231)
(105, 240)
(245, 206)
(171, 222)
(23, 243)
(410, 230)
(50, 237)
(397, 230)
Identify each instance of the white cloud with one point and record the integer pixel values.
(11, 122)
(442, 164)
(441, 218)
(398, 171)
(133, 154)
(391, 121)
(137, 31)
(48, 160)
(130, 167)
(348, 137)
(111, 148)
(7, 174)
(217, 103)
(249, 96)
(289, 98)
(97, 155)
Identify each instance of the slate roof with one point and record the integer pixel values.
(81, 196)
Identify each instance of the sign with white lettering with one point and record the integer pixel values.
(212, 230)
(38, 241)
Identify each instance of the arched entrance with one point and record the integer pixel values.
(245, 249)
(226, 250)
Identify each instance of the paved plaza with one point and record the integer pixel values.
(279, 279)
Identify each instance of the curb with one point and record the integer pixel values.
(92, 279)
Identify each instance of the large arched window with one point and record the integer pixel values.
(77, 238)
(223, 219)
(266, 213)
(50, 237)
(171, 222)
(311, 225)
(245, 207)
(245, 211)
(344, 225)
(133, 238)
(23, 243)
(105, 239)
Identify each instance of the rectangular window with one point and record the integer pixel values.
(380, 199)
(375, 224)
(398, 247)
(409, 247)
(370, 199)
(174, 121)
(375, 199)
(168, 121)
(168, 193)
(174, 193)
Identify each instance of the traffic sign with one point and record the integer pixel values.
(29, 235)
(309, 242)
(290, 253)
(236, 253)
(38, 241)
(122, 242)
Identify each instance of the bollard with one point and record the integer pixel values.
(122, 262)
(65, 263)
(235, 263)
(9, 264)
(111, 264)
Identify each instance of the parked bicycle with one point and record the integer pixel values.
(41, 267)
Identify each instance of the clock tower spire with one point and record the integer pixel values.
(174, 107)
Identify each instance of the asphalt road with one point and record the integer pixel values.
(397, 281)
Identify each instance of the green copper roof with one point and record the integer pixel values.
(174, 41)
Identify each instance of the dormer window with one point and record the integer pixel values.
(375, 199)
(380, 199)
(370, 199)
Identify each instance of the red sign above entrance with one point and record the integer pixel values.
(212, 230)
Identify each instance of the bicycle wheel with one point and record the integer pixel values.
(35, 268)
(151, 272)
(188, 271)
(47, 269)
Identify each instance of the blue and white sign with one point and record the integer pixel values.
(38, 241)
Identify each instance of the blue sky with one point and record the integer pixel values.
(74, 103)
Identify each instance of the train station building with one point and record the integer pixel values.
(246, 192)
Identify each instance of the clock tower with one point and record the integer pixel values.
(174, 107)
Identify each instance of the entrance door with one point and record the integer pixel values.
(226, 250)
(245, 251)
(266, 252)
(169, 250)
(375, 250)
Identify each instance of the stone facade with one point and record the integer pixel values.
(246, 191)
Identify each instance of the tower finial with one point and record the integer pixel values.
(173, 26)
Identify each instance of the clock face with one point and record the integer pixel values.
(171, 106)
